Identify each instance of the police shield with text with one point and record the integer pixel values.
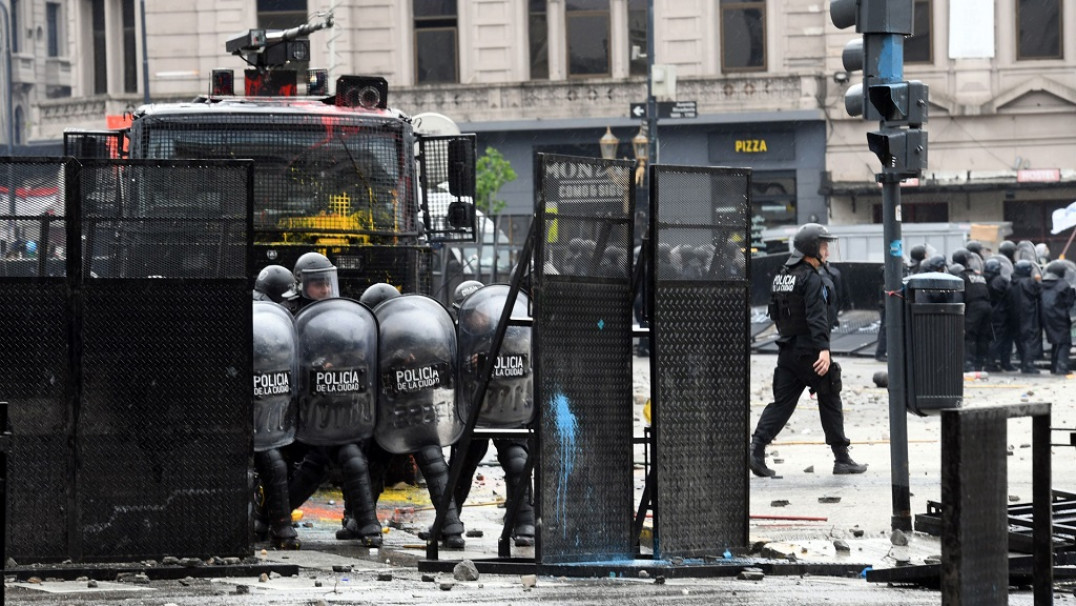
(509, 398)
(804, 308)
(337, 401)
(275, 362)
(417, 402)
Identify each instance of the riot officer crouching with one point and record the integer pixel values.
(804, 308)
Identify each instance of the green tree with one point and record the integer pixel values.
(491, 173)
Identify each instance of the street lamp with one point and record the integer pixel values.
(641, 145)
(609, 144)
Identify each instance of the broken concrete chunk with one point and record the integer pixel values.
(841, 546)
(779, 503)
(898, 538)
(751, 574)
(829, 499)
(809, 469)
(529, 580)
(465, 571)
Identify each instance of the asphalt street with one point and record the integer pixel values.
(800, 514)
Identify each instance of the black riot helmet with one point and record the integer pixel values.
(991, 268)
(807, 241)
(376, 293)
(1007, 248)
(918, 253)
(315, 276)
(1023, 268)
(1055, 268)
(960, 256)
(956, 269)
(465, 288)
(273, 283)
(935, 263)
(974, 246)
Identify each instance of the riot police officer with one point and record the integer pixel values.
(315, 279)
(1024, 295)
(802, 305)
(1001, 345)
(273, 283)
(977, 329)
(917, 254)
(1057, 300)
(275, 364)
(508, 401)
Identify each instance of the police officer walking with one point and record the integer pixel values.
(804, 308)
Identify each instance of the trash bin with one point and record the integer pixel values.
(933, 342)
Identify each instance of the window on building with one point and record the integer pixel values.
(100, 58)
(1038, 29)
(588, 37)
(743, 35)
(281, 14)
(130, 46)
(917, 47)
(13, 14)
(538, 32)
(435, 41)
(56, 46)
(20, 120)
(637, 28)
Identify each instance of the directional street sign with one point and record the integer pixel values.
(667, 109)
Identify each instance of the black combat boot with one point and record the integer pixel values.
(274, 473)
(843, 463)
(432, 464)
(360, 509)
(513, 459)
(757, 460)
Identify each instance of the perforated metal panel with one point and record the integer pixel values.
(35, 367)
(129, 371)
(700, 362)
(582, 336)
(164, 431)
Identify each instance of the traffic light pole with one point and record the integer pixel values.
(894, 313)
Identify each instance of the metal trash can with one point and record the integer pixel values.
(933, 342)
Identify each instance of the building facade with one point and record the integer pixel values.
(550, 76)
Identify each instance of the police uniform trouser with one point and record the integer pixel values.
(793, 374)
(977, 333)
(512, 455)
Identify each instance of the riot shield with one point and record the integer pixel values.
(509, 399)
(337, 382)
(974, 262)
(1025, 251)
(275, 364)
(417, 403)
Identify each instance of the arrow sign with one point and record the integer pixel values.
(667, 109)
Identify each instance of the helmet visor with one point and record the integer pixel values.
(320, 284)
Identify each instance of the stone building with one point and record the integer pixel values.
(550, 76)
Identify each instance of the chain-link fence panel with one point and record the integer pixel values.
(700, 372)
(582, 344)
(35, 364)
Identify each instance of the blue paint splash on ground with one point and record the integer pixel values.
(566, 426)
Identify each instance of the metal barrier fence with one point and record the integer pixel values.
(582, 345)
(127, 357)
(700, 363)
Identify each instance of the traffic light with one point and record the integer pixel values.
(902, 152)
(884, 95)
